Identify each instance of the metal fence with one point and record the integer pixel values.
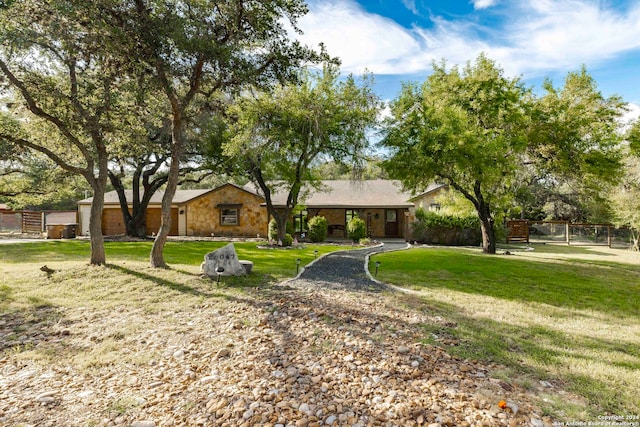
(565, 232)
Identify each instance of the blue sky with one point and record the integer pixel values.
(397, 40)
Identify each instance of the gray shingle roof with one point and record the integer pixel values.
(181, 196)
(378, 193)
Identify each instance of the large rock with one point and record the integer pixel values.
(224, 257)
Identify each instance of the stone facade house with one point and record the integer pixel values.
(228, 210)
(235, 211)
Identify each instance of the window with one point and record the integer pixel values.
(391, 215)
(434, 207)
(350, 214)
(300, 222)
(229, 216)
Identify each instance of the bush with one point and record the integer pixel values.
(273, 230)
(318, 229)
(288, 240)
(365, 241)
(356, 229)
(434, 228)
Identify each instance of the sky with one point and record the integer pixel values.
(398, 40)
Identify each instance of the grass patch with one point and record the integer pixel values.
(79, 308)
(570, 316)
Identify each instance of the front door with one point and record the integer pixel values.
(391, 227)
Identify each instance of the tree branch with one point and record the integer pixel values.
(35, 109)
(53, 156)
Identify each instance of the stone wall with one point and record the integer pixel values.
(204, 215)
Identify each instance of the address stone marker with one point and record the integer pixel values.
(224, 257)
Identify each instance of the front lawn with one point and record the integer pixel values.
(127, 277)
(558, 317)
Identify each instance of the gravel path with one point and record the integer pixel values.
(344, 270)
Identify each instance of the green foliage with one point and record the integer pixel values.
(356, 229)
(365, 241)
(479, 132)
(466, 128)
(281, 135)
(574, 133)
(273, 230)
(625, 200)
(453, 203)
(574, 150)
(288, 240)
(318, 228)
(434, 219)
(633, 136)
(437, 228)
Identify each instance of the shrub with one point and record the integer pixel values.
(288, 240)
(434, 228)
(356, 229)
(365, 241)
(273, 229)
(317, 229)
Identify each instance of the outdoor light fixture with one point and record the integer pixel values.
(315, 254)
(297, 265)
(377, 266)
(219, 270)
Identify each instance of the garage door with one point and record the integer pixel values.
(112, 222)
(154, 216)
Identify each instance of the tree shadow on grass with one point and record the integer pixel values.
(546, 354)
(613, 290)
(25, 329)
(562, 249)
(174, 286)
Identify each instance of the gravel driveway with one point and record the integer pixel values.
(344, 270)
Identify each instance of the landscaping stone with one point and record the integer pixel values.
(224, 258)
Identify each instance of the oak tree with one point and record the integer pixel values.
(462, 127)
(280, 135)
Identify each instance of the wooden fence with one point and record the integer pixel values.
(34, 222)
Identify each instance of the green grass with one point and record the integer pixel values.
(127, 276)
(178, 253)
(561, 314)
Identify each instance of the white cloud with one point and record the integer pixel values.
(411, 5)
(483, 4)
(632, 114)
(557, 35)
(361, 40)
(538, 36)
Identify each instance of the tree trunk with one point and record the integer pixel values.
(99, 186)
(137, 226)
(281, 221)
(488, 231)
(177, 146)
(96, 238)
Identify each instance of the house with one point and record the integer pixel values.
(227, 210)
(235, 211)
